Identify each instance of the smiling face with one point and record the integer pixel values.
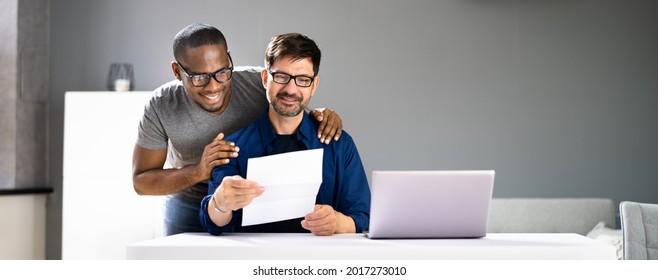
(215, 96)
(288, 100)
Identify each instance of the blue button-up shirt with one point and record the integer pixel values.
(344, 182)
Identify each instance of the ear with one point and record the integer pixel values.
(264, 77)
(174, 68)
(316, 83)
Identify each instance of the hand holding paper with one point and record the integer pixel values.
(237, 192)
(291, 182)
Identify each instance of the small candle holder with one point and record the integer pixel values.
(121, 77)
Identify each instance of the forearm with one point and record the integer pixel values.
(166, 181)
(206, 219)
(219, 215)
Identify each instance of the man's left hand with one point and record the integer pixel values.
(322, 221)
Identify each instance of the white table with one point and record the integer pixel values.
(293, 246)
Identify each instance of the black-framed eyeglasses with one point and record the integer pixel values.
(201, 80)
(284, 78)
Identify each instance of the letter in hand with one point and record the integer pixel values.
(236, 193)
(322, 222)
(331, 125)
(214, 154)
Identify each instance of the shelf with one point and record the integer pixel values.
(23, 191)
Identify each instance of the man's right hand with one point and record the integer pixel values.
(236, 192)
(214, 154)
(150, 178)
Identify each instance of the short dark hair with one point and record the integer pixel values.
(297, 46)
(197, 34)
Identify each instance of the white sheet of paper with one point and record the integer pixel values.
(291, 181)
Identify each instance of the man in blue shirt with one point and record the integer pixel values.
(290, 77)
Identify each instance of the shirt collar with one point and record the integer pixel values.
(305, 132)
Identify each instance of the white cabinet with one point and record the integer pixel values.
(101, 212)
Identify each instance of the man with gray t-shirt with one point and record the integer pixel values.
(180, 137)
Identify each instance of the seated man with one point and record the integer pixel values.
(290, 77)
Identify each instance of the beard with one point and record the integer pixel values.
(288, 110)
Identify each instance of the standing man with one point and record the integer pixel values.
(185, 121)
(292, 62)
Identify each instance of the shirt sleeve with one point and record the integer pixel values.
(151, 133)
(355, 191)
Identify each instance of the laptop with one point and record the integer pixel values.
(430, 204)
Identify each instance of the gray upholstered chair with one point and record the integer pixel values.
(639, 224)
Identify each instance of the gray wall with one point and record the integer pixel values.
(24, 93)
(558, 97)
(8, 92)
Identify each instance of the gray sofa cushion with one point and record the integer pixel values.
(550, 215)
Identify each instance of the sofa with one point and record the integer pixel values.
(555, 215)
(591, 217)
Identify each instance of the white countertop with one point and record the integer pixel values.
(289, 246)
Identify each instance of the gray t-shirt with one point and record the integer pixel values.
(174, 121)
